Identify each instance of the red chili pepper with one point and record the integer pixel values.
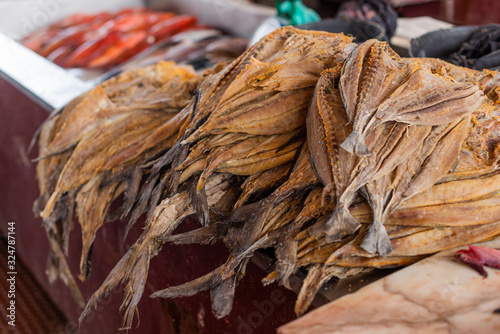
(91, 49)
(70, 36)
(124, 44)
(167, 28)
(144, 44)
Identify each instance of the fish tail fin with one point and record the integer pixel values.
(355, 144)
(377, 240)
(340, 224)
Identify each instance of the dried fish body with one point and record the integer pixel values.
(112, 140)
(405, 91)
(283, 69)
(76, 120)
(103, 149)
(92, 205)
(250, 152)
(387, 188)
(394, 139)
(275, 69)
(133, 268)
(369, 75)
(445, 100)
(327, 129)
(274, 84)
(265, 222)
(251, 196)
(434, 157)
(389, 144)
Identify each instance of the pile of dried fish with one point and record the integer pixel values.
(93, 150)
(341, 158)
(248, 120)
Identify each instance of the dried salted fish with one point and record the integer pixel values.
(133, 268)
(276, 77)
(421, 214)
(328, 127)
(434, 157)
(349, 172)
(265, 222)
(367, 96)
(291, 87)
(265, 92)
(392, 150)
(271, 85)
(378, 86)
(114, 137)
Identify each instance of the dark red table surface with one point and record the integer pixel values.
(256, 309)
